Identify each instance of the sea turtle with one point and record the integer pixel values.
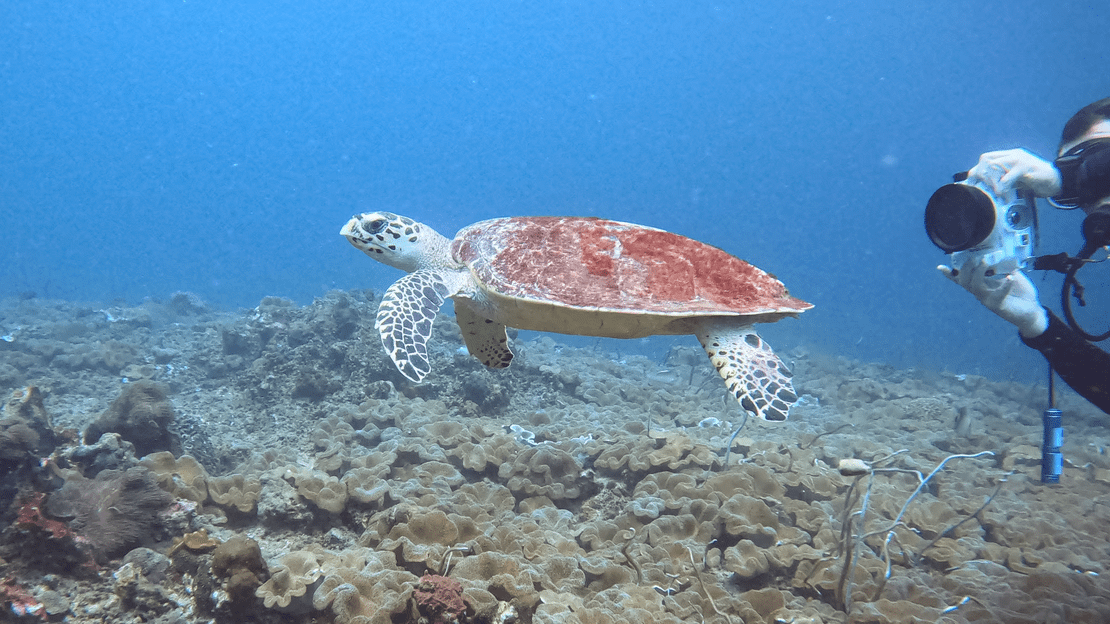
(582, 276)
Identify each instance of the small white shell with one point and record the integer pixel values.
(853, 467)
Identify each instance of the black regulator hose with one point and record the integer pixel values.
(1096, 233)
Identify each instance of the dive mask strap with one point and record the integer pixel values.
(1084, 174)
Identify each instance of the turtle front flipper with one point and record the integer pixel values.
(485, 339)
(751, 370)
(405, 319)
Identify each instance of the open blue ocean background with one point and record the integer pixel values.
(160, 146)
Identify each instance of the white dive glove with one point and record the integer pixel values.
(1019, 168)
(1013, 297)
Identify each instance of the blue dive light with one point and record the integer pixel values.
(1052, 457)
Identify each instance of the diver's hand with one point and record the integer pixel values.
(1012, 297)
(1007, 169)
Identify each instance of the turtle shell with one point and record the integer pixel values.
(596, 264)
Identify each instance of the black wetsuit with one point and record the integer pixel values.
(1081, 365)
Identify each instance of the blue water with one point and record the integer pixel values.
(152, 147)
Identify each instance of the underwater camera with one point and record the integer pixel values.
(966, 219)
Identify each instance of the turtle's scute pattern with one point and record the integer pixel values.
(595, 263)
(405, 320)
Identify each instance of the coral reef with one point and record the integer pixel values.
(854, 531)
(113, 513)
(238, 561)
(25, 426)
(183, 477)
(439, 599)
(235, 492)
(26, 435)
(197, 541)
(290, 580)
(47, 542)
(580, 485)
(142, 415)
(30, 517)
(17, 441)
(140, 584)
(19, 601)
(109, 453)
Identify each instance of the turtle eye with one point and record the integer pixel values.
(375, 226)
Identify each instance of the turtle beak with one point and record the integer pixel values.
(356, 235)
(353, 228)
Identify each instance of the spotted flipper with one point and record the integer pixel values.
(405, 320)
(485, 339)
(751, 370)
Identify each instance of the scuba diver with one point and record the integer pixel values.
(1078, 178)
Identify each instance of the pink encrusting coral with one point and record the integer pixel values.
(19, 600)
(30, 517)
(54, 544)
(438, 598)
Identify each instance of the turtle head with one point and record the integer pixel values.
(397, 241)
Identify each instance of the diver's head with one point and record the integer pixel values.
(1083, 159)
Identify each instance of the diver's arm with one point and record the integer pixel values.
(1013, 296)
(1082, 365)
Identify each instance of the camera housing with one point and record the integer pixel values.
(970, 221)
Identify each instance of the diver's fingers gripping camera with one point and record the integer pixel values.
(966, 219)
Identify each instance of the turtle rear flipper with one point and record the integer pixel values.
(751, 370)
(405, 319)
(485, 339)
